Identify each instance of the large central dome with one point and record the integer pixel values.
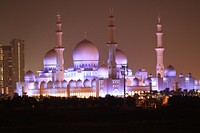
(85, 55)
(85, 50)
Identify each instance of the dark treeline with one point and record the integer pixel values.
(109, 102)
(188, 102)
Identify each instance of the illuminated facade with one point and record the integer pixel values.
(88, 78)
(11, 66)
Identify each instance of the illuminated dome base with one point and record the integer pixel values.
(85, 55)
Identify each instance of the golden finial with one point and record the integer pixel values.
(111, 11)
(58, 16)
(85, 35)
(159, 19)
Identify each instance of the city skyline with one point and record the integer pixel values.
(34, 21)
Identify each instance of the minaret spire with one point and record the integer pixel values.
(112, 46)
(59, 31)
(159, 49)
(111, 27)
(59, 49)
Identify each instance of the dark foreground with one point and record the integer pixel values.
(100, 121)
(165, 119)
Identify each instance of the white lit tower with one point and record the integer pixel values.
(159, 49)
(112, 71)
(59, 49)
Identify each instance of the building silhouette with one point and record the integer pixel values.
(11, 66)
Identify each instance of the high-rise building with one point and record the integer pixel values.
(18, 66)
(5, 68)
(11, 66)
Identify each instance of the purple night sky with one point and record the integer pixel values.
(34, 21)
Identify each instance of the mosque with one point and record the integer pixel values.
(87, 78)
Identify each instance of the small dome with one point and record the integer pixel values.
(72, 84)
(135, 82)
(103, 71)
(87, 83)
(29, 76)
(181, 75)
(36, 85)
(170, 71)
(50, 59)
(189, 75)
(147, 81)
(57, 84)
(43, 85)
(50, 84)
(79, 83)
(151, 75)
(94, 83)
(120, 57)
(85, 55)
(138, 73)
(64, 84)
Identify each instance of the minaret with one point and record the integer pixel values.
(59, 49)
(159, 50)
(112, 71)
